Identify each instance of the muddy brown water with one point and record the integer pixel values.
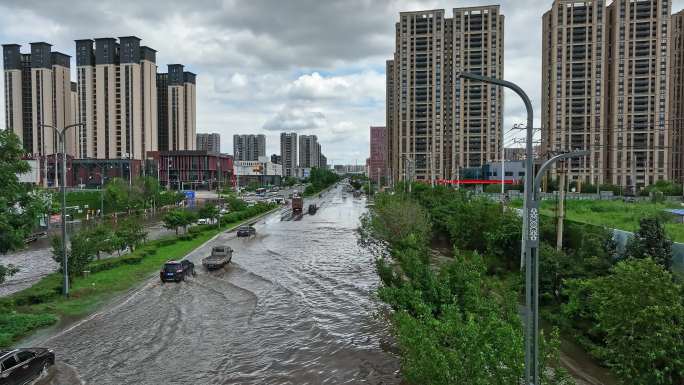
(294, 307)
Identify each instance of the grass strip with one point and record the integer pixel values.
(42, 305)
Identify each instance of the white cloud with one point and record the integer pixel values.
(291, 118)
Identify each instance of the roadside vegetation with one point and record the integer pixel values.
(319, 180)
(456, 319)
(616, 214)
(20, 204)
(43, 304)
(118, 196)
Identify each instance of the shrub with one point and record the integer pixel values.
(637, 318)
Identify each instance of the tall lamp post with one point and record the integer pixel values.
(60, 134)
(530, 249)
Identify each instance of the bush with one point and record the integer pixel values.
(111, 263)
(14, 325)
(636, 319)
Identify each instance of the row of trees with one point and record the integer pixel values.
(89, 244)
(319, 180)
(144, 192)
(454, 324)
(625, 308)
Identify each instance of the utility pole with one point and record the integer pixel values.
(530, 238)
(561, 209)
(65, 259)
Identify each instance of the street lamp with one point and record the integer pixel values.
(61, 134)
(530, 239)
(530, 249)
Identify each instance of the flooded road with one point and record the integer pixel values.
(294, 307)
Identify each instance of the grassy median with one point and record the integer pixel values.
(42, 304)
(615, 214)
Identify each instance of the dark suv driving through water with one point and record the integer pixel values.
(21, 366)
(176, 270)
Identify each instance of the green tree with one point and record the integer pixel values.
(209, 211)
(20, 206)
(130, 233)
(637, 313)
(650, 241)
(179, 218)
(174, 220)
(102, 239)
(81, 252)
(236, 204)
(116, 194)
(289, 181)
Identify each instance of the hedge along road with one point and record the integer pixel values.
(295, 306)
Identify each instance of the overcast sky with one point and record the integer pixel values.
(311, 66)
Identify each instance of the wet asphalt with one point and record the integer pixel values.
(295, 306)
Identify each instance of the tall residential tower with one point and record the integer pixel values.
(117, 94)
(436, 122)
(37, 95)
(573, 86)
(249, 147)
(288, 153)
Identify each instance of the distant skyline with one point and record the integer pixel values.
(307, 66)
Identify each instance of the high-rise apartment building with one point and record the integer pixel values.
(605, 89)
(573, 87)
(637, 122)
(438, 123)
(309, 151)
(392, 103)
(475, 109)
(209, 142)
(288, 153)
(249, 147)
(377, 164)
(117, 92)
(37, 95)
(177, 100)
(677, 95)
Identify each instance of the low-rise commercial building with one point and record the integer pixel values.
(262, 172)
(194, 169)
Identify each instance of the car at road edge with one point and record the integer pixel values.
(22, 366)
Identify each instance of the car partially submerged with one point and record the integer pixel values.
(22, 366)
(220, 256)
(176, 271)
(246, 231)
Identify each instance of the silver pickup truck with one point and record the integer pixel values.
(220, 256)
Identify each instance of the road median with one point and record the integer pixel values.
(41, 305)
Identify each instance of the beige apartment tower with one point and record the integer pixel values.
(638, 123)
(38, 93)
(605, 89)
(677, 95)
(117, 94)
(177, 105)
(436, 122)
(573, 86)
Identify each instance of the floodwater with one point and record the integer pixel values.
(35, 260)
(294, 307)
